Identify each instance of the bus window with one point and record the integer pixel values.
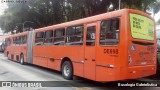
(90, 37)
(17, 40)
(20, 40)
(24, 39)
(59, 36)
(48, 37)
(7, 41)
(74, 35)
(39, 38)
(14, 40)
(109, 33)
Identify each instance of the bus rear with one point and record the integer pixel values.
(141, 45)
(127, 50)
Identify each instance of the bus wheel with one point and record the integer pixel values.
(21, 59)
(67, 70)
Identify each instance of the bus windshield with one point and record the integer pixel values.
(141, 27)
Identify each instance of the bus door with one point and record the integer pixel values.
(90, 51)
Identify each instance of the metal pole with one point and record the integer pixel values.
(119, 4)
(26, 22)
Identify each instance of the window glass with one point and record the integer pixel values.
(17, 40)
(141, 27)
(20, 40)
(49, 34)
(7, 41)
(14, 40)
(39, 34)
(24, 39)
(59, 36)
(91, 36)
(48, 37)
(74, 35)
(109, 33)
(39, 38)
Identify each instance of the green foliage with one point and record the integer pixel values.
(49, 12)
(156, 8)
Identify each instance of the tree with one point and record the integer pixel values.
(50, 12)
(156, 8)
(158, 22)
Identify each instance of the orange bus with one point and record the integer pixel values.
(112, 46)
(16, 46)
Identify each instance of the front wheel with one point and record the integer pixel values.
(67, 70)
(21, 59)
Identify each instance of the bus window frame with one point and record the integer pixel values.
(120, 20)
(130, 26)
(15, 40)
(52, 38)
(64, 43)
(39, 44)
(95, 40)
(8, 41)
(24, 40)
(20, 40)
(81, 25)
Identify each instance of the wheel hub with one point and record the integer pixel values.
(66, 70)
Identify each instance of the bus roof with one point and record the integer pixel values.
(93, 18)
(17, 34)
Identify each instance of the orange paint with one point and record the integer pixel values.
(96, 60)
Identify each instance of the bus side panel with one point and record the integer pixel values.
(142, 55)
(74, 53)
(39, 56)
(54, 64)
(51, 57)
(16, 51)
(112, 60)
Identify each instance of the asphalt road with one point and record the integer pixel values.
(13, 71)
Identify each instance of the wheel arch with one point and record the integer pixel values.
(66, 59)
(23, 56)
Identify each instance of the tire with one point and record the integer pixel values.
(21, 61)
(67, 70)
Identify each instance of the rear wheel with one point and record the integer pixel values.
(67, 70)
(21, 59)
